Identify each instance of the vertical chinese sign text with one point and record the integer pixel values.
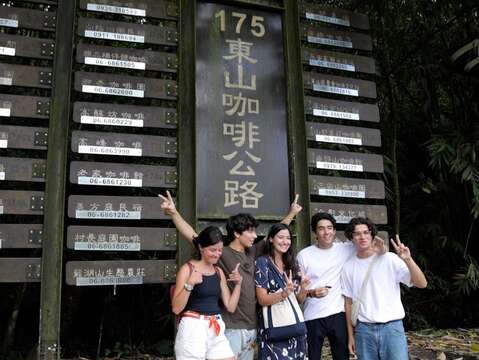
(241, 127)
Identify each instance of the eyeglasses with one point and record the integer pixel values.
(365, 233)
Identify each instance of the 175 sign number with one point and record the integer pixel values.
(256, 22)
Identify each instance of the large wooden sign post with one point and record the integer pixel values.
(257, 100)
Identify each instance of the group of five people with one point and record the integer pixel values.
(327, 277)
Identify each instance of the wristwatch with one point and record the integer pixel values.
(188, 287)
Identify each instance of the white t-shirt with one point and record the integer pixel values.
(382, 295)
(323, 268)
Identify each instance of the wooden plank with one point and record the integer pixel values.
(126, 32)
(13, 17)
(22, 169)
(346, 187)
(338, 61)
(115, 144)
(21, 236)
(25, 75)
(345, 161)
(324, 14)
(344, 110)
(24, 106)
(343, 213)
(104, 238)
(124, 115)
(23, 137)
(338, 85)
(122, 272)
(124, 86)
(338, 134)
(125, 58)
(22, 46)
(123, 175)
(160, 9)
(21, 202)
(330, 37)
(115, 207)
(20, 270)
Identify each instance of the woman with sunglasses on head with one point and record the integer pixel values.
(200, 284)
(277, 276)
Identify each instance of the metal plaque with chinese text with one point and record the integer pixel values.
(21, 236)
(122, 175)
(161, 9)
(346, 187)
(240, 113)
(124, 115)
(126, 32)
(24, 106)
(343, 213)
(345, 161)
(115, 207)
(331, 37)
(334, 16)
(125, 58)
(23, 137)
(25, 75)
(338, 61)
(20, 270)
(116, 144)
(22, 169)
(125, 86)
(122, 272)
(104, 238)
(27, 18)
(338, 134)
(344, 110)
(21, 202)
(338, 85)
(30, 47)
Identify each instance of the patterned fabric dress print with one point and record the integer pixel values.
(294, 348)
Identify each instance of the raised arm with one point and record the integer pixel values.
(185, 229)
(230, 299)
(418, 278)
(294, 210)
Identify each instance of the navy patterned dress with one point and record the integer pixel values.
(294, 348)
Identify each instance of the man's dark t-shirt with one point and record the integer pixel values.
(245, 315)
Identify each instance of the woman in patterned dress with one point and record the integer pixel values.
(279, 258)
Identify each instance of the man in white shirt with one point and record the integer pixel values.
(322, 264)
(379, 332)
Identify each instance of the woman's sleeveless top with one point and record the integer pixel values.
(204, 297)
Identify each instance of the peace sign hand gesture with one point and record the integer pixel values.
(168, 205)
(401, 250)
(289, 284)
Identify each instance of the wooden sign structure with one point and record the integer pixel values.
(338, 134)
(124, 115)
(21, 236)
(24, 106)
(333, 53)
(28, 47)
(124, 272)
(113, 238)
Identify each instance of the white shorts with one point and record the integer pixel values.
(196, 340)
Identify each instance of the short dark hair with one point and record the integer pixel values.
(316, 218)
(239, 223)
(348, 232)
(211, 235)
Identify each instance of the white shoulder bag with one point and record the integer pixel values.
(356, 304)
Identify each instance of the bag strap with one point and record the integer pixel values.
(366, 278)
